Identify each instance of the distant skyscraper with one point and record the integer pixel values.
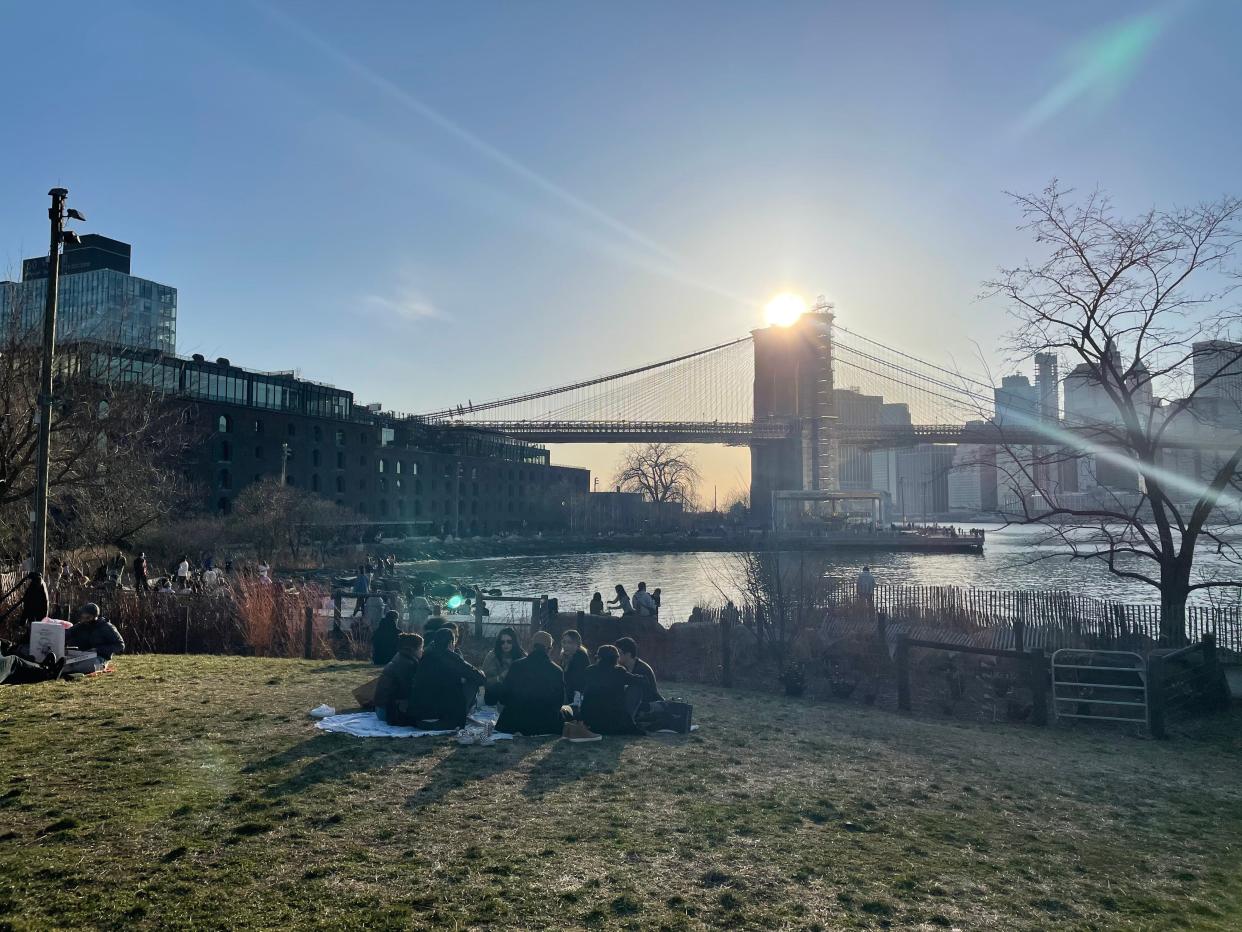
(1049, 385)
(1218, 382)
(1017, 401)
(98, 299)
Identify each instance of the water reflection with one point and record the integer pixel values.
(688, 579)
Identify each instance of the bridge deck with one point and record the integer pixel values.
(742, 433)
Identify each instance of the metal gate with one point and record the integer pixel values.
(1100, 685)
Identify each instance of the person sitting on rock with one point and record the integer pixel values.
(533, 692)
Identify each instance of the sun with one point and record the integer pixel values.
(785, 309)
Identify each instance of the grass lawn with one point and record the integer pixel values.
(194, 792)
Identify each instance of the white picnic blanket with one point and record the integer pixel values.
(367, 725)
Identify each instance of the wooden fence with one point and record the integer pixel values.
(1053, 618)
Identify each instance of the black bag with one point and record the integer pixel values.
(677, 716)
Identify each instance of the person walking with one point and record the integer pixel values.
(140, 573)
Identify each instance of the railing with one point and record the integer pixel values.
(1053, 618)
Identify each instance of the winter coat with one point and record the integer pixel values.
(605, 709)
(442, 688)
(533, 692)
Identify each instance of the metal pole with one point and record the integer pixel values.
(56, 213)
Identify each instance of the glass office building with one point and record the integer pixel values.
(99, 300)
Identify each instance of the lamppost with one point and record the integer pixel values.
(58, 215)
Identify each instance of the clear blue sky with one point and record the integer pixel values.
(431, 201)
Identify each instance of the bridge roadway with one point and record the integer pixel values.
(742, 433)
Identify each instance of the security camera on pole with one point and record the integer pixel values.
(58, 214)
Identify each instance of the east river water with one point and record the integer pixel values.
(688, 579)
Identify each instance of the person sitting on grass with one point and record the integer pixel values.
(392, 692)
(384, 641)
(500, 660)
(93, 632)
(611, 695)
(533, 692)
(443, 684)
(574, 661)
(629, 659)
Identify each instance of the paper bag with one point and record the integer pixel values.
(46, 637)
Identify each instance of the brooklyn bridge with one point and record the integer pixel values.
(781, 391)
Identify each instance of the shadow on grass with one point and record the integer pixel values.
(566, 763)
(464, 765)
(329, 758)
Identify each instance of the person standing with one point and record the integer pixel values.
(140, 573)
(362, 588)
(183, 573)
(644, 604)
(866, 589)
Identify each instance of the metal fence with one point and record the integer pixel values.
(1053, 619)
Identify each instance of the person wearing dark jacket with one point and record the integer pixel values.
(629, 659)
(610, 695)
(140, 573)
(574, 661)
(392, 692)
(384, 640)
(533, 692)
(95, 633)
(443, 684)
(35, 601)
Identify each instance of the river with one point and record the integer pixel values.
(688, 579)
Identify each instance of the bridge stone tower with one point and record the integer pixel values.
(793, 384)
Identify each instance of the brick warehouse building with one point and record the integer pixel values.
(393, 470)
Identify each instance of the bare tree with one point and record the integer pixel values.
(269, 517)
(662, 472)
(784, 592)
(115, 446)
(1132, 303)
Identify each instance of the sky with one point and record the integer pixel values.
(429, 202)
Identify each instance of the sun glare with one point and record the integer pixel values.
(785, 309)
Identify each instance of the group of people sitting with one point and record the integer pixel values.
(91, 633)
(643, 603)
(428, 684)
